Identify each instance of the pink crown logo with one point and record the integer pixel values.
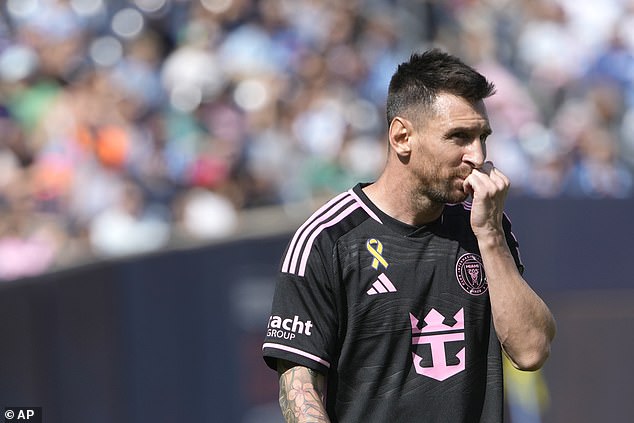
(435, 322)
(437, 334)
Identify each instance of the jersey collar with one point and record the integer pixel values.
(395, 225)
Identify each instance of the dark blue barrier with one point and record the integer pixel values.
(575, 243)
(176, 336)
(158, 338)
(579, 257)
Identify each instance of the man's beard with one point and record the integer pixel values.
(446, 197)
(443, 190)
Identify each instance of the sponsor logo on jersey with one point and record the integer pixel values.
(381, 286)
(288, 328)
(470, 274)
(436, 334)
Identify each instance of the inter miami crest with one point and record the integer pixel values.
(470, 274)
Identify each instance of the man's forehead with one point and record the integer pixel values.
(450, 109)
(453, 105)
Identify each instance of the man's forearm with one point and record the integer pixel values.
(302, 394)
(522, 320)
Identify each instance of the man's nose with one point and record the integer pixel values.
(475, 154)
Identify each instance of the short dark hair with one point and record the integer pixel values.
(420, 80)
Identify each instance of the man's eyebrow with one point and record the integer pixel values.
(486, 129)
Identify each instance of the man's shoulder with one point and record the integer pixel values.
(342, 212)
(337, 217)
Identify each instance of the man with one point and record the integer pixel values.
(396, 298)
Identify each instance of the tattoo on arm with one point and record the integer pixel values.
(302, 394)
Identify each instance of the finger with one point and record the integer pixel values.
(487, 185)
(478, 182)
(466, 186)
(486, 168)
(495, 174)
(480, 176)
(499, 178)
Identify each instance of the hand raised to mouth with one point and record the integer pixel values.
(489, 188)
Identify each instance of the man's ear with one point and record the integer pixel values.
(400, 133)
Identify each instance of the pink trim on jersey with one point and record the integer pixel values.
(342, 215)
(301, 244)
(311, 232)
(293, 249)
(365, 207)
(296, 351)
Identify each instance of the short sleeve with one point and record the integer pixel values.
(513, 244)
(302, 327)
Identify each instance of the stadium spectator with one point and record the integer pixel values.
(239, 104)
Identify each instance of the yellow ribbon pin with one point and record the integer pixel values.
(376, 253)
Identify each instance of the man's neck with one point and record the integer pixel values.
(401, 203)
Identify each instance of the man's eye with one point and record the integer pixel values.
(460, 135)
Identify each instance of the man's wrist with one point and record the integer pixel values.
(492, 238)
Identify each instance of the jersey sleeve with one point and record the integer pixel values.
(302, 327)
(513, 244)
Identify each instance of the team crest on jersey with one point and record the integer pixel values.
(470, 274)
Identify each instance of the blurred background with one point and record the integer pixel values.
(155, 156)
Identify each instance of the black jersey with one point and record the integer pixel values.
(398, 317)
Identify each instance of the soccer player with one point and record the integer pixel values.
(396, 299)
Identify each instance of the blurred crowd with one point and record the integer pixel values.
(127, 125)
